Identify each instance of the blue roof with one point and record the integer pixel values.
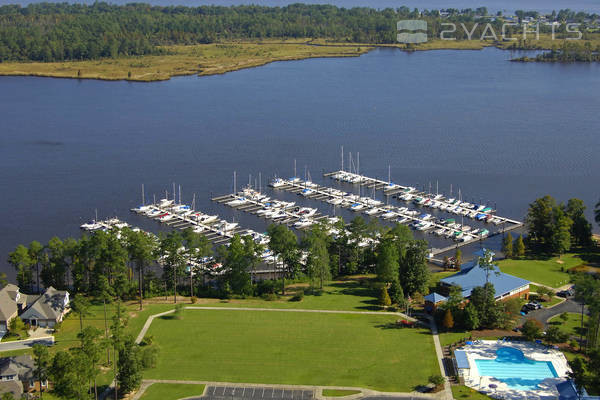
(435, 298)
(462, 362)
(567, 391)
(471, 275)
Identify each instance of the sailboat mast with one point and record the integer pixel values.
(294, 167)
(179, 194)
(234, 184)
(143, 201)
(390, 174)
(342, 158)
(259, 183)
(357, 163)
(174, 194)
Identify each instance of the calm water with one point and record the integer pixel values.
(592, 6)
(503, 132)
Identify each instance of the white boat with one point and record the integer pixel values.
(165, 217)
(278, 214)
(277, 182)
(306, 192)
(153, 213)
(225, 226)
(303, 223)
(389, 215)
(198, 228)
(466, 238)
(403, 220)
(335, 201)
(439, 232)
(206, 219)
(357, 207)
(165, 203)
(307, 211)
(141, 209)
(424, 226)
(372, 211)
(465, 228)
(91, 226)
(237, 201)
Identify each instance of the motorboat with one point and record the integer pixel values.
(277, 182)
(357, 207)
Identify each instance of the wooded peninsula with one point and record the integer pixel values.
(145, 43)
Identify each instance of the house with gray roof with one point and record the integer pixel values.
(48, 309)
(9, 298)
(471, 275)
(16, 376)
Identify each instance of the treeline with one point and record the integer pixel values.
(129, 264)
(61, 31)
(554, 227)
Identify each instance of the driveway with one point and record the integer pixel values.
(544, 314)
(26, 344)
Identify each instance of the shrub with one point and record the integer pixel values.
(384, 297)
(270, 296)
(436, 380)
(179, 311)
(298, 296)
(532, 329)
(193, 299)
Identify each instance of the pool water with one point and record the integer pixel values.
(517, 371)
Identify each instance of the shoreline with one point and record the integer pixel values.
(220, 58)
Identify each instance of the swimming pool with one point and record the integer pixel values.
(517, 371)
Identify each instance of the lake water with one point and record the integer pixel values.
(505, 133)
(545, 6)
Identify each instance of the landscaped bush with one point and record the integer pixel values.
(270, 296)
(298, 296)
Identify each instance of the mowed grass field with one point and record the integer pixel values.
(293, 348)
(547, 272)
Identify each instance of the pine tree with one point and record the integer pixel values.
(397, 294)
(384, 297)
(507, 245)
(448, 320)
(519, 247)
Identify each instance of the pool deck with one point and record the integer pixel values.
(486, 350)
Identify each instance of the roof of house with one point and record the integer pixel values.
(15, 387)
(471, 275)
(8, 305)
(49, 305)
(435, 298)
(22, 366)
(12, 290)
(19, 365)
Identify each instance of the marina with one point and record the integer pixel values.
(459, 233)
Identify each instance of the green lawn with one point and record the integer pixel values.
(339, 393)
(171, 391)
(573, 324)
(341, 295)
(293, 348)
(466, 393)
(547, 272)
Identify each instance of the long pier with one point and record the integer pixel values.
(253, 206)
(391, 189)
(324, 193)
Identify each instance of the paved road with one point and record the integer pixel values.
(544, 314)
(26, 344)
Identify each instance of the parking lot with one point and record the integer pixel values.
(255, 393)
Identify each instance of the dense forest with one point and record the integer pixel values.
(62, 31)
